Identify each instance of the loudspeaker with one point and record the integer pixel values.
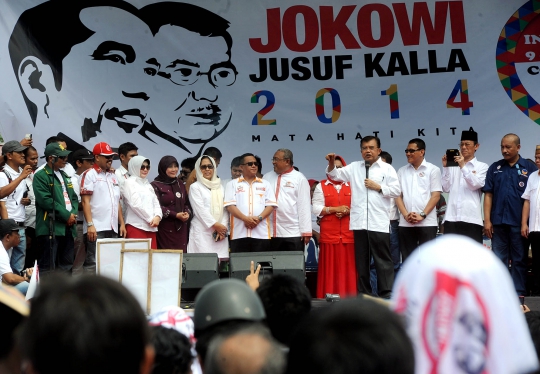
(198, 269)
(291, 263)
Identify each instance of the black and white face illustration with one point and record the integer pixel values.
(123, 73)
(188, 99)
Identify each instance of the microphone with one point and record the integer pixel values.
(367, 170)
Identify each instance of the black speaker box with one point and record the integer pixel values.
(198, 269)
(291, 263)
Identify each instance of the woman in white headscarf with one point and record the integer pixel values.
(208, 231)
(461, 311)
(143, 212)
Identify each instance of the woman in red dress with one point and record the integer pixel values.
(337, 269)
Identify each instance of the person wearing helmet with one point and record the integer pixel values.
(222, 306)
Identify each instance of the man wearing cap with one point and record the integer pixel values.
(10, 237)
(464, 184)
(15, 193)
(56, 212)
(102, 213)
(506, 181)
(81, 160)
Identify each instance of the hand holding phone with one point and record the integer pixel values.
(450, 155)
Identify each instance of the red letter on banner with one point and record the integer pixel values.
(411, 33)
(330, 28)
(365, 32)
(311, 28)
(273, 17)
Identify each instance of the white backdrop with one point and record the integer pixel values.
(425, 48)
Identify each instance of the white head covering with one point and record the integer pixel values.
(214, 185)
(461, 311)
(134, 167)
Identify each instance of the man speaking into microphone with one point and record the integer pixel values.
(373, 184)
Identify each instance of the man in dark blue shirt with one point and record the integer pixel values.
(506, 180)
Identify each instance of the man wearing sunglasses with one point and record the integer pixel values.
(102, 212)
(250, 201)
(54, 192)
(420, 192)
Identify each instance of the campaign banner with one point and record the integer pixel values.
(259, 75)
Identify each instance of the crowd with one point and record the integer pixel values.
(369, 219)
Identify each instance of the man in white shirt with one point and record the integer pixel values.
(373, 184)
(250, 201)
(291, 223)
(420, 192)
(100, 194)
(15, 190)
(126, 152)
(9, 237)
(464, 184)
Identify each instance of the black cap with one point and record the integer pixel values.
(82, 154)
(469, 135)
(7, 226)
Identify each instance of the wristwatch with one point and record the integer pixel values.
(260, 218)
(89, 224)
(422, 214)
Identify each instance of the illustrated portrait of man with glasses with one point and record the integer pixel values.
(160, 72)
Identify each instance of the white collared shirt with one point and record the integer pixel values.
(293, 217)
(251, 200)
(416, 188)
(464, 186)
(532, 194)
(370, 210)
(105, 191)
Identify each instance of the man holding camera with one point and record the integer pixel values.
(463, 180)
(15, 192)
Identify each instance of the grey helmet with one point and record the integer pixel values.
(224, 300)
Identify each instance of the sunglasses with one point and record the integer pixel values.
(208, 166)
(145, 167)
(108, 157)
(251, 163)
(411, 150)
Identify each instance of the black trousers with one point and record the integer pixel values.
(470, 230)
(249, 245)
(376, 244)
(411, 237)
(534, 238)
(287, 244)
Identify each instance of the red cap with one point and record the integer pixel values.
(103, 149)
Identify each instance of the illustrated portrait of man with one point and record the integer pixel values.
(105, 69)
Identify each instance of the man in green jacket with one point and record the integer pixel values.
(53, 190)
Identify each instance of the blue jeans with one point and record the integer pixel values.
(22, 287)
(508, 244)
(18, 254)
